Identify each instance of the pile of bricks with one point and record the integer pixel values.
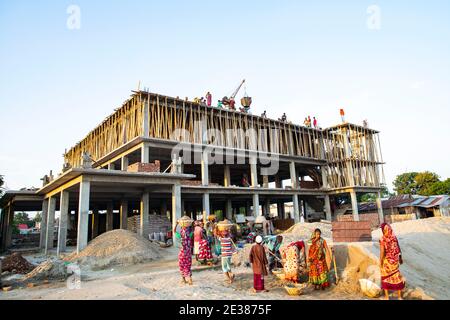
(373, 218)
(145, 167)
(351, 231)
(156, 223)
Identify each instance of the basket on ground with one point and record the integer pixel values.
(294, 289)
(369, 288)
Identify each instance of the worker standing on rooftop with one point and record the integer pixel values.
(208, 99)
(315, 122)
(341, 111)
(264, 114)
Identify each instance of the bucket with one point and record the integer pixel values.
(246, 102)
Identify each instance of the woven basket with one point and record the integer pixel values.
(224, 225)
(293, 290)
(185, 221)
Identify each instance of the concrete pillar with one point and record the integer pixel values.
(354, 206)
(229, 209)
(247, 208)
(205, 169)
(123, 214)
(43, 224)
(50, 224)
(265, 181)
(294, 182)
(111, 166)
(176, 204)
(256, 210)
(327, 207)
(278, 182)
(303, 214)
(109, 217)
(63, 222)
(253, 172)
(267, 205)
(226, 176)
(95, 224)
(83, 215)
(124, 163)
(280, 212)
(380, 208)
(9, 228)
(324, 177)
(296, 208)
(145, 153)
(206, 207)
(144, 212)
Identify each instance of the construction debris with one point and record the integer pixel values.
(15, 263)
(117, 247)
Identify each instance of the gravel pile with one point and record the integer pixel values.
(117, 247)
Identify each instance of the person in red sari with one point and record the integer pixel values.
(259, 262)
(390, 261)
(205, 253)
(319, 261)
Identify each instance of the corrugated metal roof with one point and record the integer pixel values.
(403, 201)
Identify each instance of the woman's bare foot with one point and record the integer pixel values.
(254, 290)
(190, 281)
(183, 280)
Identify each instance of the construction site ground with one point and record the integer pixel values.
(425, 268)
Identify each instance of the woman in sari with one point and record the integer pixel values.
(319, 261)
(390, 260)
(294, 257)
(185, 254)
(205, 253)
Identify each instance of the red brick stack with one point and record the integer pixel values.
(373, 218)
(351, 231)
(145, 167)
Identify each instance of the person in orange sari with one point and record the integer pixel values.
(319, 257)
(390, 261)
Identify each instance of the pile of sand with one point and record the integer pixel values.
(424, 246)
(47, 270)
(15, 263)
(117, 247)
(303, 231)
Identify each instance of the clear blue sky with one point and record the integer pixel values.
(301, 57)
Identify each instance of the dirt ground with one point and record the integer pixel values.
(161, 280)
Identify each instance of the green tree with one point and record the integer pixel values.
(21, 218)
(424, 180)
(371, 197)
(439, 188)
(37, 217)
(405, 183)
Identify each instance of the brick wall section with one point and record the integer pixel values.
(156, 223)
(370, 217)
(145, 167)
(351, 231)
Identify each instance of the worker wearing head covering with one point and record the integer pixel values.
(259, 262)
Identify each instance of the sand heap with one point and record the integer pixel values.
(303, 231)
(117, 247)
(15, 263)
(423, 243)
(47, 270)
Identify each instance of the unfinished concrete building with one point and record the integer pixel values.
(157, 158)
